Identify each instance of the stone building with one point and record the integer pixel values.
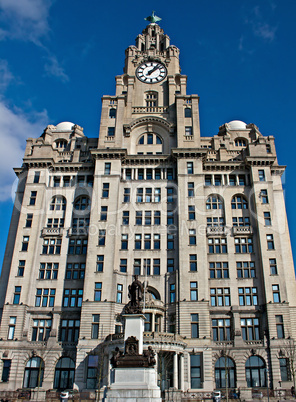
(201, 221)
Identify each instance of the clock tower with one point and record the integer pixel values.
(151, 96)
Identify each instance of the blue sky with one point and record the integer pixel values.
(58, 58)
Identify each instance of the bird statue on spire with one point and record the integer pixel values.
(153, 19)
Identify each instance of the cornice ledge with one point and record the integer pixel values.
(260, 160)
(189, 152)
(110, 153)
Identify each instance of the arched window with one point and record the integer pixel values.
(64, 373)
(158, 140)
(61, 144)
(239, 202)
(141, 140)
(187, 112)
(150, 139)
(34, 371)
(58, 203)
(225, 371)
(240, 142)
(214, 202)
(82, 203)
(112, 113)
(255, 372)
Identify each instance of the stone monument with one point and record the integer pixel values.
(135, 377)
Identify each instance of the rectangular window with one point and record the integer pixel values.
(119, 293)
(192, 237)
(243, 245)
(98, 291)
(148, 174)
(245, 269)
(285, 369)
(137, 267)
(107, 170)
(51, 246)
(220, 297)
(66, 181)
(11, 328)
(77, 246)
(172, 293)
(170, 217)
(193, 262)
(194, 326)
(156, 242)
(17, 294)
(25, 243)
(193, 291)
(147, 241)
(140, 174)
(156, 266)
(21, 268)
(102, 237)
(59, 222)
(156, 217)
(270, 242)
(72, 297)
(232, 180)
(56, 181)
(170, 174)
(170, 194)
(41, 330)
(95, 326)
(170, 265)
(138, 241)
(264, 197)
(188, 131)
(124, 242)
(189, 167)
(196, 370)
(208, 180)
(104, 213)
(267, 218)
(139, 216)
(69, 330)
(241, 180)
(29, 221)
(148, 195)
(147, 266)
(219, 270)
(105, 190)
(148, 322)
(191, 212)
(191, 189)
(45, 297)
(33, 197)
(280, 326)
(217, 245)
(148, 218)
(128, 174)
(126, 195)
(157, 194)
(75, 270)
(92, 372)
(248, 296)
(48, 270)
(216, 221)
(221, 329)
(276, 293)
(157, 174)
(273, 266)
(250, 329)
(261, 175)
(241, 221)
(218, 180)
(170, 242)
(6, 370)
(140, 195)
(111, 131)
(90, 181)
(123, 265)
(36, 177)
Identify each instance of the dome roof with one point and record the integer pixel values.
(236, 125)
(64, 126)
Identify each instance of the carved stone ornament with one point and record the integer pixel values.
(132, 346)
(131, 358)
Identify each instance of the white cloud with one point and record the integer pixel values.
(53, 68)
(6, 75)
(24, 19)
(257, 20)
(16, 127)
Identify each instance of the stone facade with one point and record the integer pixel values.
(201, 220)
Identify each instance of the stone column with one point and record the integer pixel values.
(176, 370)
(182, 371)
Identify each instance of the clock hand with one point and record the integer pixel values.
(153, 69)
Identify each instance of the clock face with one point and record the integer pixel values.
(151, 72)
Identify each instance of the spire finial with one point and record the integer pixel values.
(153, 19)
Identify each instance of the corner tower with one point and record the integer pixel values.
(150, 99)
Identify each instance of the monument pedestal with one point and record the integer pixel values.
(134, 385)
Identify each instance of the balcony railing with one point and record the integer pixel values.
(52, 231)
(151, 109)
(242, 230)
(77, 231)
(215, 230)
